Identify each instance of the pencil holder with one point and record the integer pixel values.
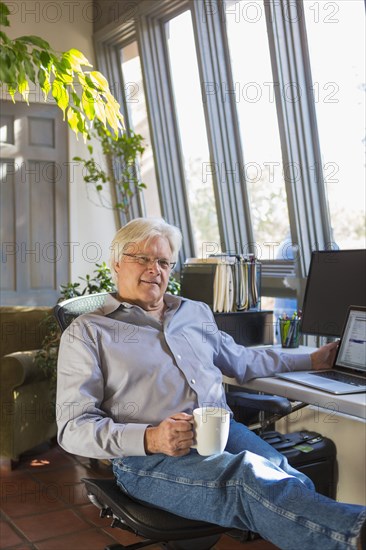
(289, 332)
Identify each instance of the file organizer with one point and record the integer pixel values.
(227, 283)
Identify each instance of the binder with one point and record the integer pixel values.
(234, 280)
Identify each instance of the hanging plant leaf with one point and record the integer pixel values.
(31, 59)
(35, 41)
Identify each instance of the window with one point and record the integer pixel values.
(256, 109)
(222, 82)
(336, 36)
(136, 105)
(192, 131)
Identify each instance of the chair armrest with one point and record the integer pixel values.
(268, 403)
(19, 368)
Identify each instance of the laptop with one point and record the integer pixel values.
(348, 374)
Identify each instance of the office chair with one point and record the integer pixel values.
(155, 525)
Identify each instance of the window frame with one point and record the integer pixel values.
(306, 198)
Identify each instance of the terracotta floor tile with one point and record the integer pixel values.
(73, 494)
(52, 492)
(69, 474)
(92, 539)
(42, 526)
(31, 503)
(18, 485)
(8, 537)
(15, 474)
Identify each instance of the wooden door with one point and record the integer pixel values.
(33, 204)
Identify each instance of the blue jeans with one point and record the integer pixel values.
(250, 487)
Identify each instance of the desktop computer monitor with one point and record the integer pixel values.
(336, 280)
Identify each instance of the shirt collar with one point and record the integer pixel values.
(111, 303)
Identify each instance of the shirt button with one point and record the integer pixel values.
(193, 381)
(179, 357)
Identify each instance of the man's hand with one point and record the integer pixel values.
(173, 436)
(323, 358)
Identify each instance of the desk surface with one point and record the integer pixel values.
(350, 404)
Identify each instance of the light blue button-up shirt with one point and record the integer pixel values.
(121, 370)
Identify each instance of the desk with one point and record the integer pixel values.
(339, 417)
(353, 405)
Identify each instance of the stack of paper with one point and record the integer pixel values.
(223, 294)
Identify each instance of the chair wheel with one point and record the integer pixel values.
(203, 543)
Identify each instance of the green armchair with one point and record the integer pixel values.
(27, 410)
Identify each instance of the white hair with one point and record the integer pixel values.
(143, 229)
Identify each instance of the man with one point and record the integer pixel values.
(131, 373)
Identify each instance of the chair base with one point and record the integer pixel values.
(204, 543)
(136, 546)
(153, 524)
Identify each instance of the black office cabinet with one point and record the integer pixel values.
(249, 328)
(197, 282)
(312, 454)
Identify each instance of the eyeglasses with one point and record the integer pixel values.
(164, 264)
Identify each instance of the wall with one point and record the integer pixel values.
(65, 25)
(107, 11)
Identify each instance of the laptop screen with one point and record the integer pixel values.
(352, 348)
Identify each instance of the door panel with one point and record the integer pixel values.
(7, 221)
(34, 204)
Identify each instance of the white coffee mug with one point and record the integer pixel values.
(211, 430)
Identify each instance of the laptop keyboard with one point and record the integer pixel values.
(340, 377)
